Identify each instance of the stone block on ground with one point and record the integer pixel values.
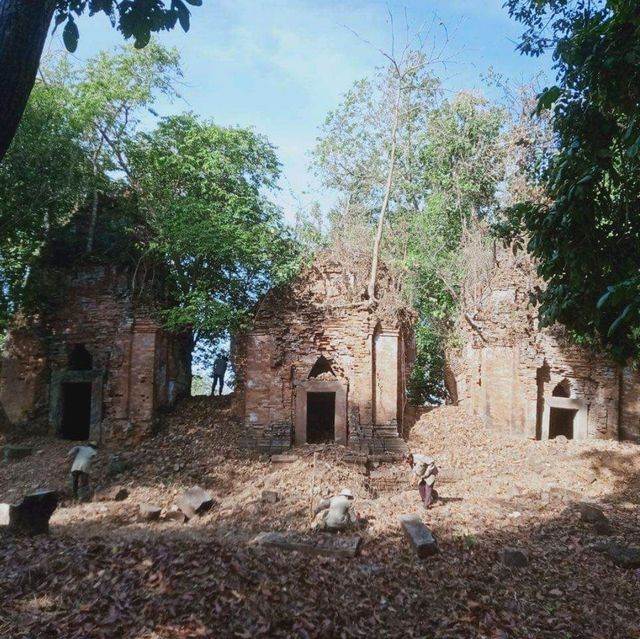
(450, 476)
(270, 496)
(149, 512)
(419, 535)
(558, 493)
(30, 516)
(13, 453)
(332, 545)
(587, 476)
(114, 493)
(175, 515)
(284, 459)
(117, 465)
(603, 528)
(624, 556)
(591, 513)
(355, 458)
(194, 501)
(514, 558)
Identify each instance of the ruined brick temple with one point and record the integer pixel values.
(94, 364)
(320, 365)
(537, 382)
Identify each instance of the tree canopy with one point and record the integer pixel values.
(447, 165)
(23, 32)
(586, 235)
(183, 199)
(202, 189)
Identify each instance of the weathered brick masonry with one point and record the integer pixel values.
(93, 356)
(534, 381)
(312, 342)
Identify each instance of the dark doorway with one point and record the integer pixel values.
(321, 417)
(80, 359)
(76, 410)
(561, 422)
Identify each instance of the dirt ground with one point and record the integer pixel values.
(103, 573)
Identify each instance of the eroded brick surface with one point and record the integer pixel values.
(313, 337)
(136, 368)
(508, 369)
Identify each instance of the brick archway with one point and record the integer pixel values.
(579, 409)
(321, 386)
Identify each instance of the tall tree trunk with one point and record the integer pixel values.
(373, 276)
(94, 203)
(23, 31)
(92, 222)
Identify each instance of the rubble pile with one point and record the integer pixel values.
(521, 553)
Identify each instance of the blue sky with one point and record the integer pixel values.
(280, 65)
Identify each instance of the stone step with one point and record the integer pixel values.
(30, 516)
(13, 453)
(284, 459)
(332, 545)
(419, 536)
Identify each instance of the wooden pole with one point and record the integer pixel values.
(313, 481)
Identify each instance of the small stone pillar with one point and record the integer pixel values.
(385, 377)
(142, 372)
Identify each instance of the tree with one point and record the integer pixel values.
(424, 169)
(73, 137)
(446, 244)
(202, 190)
(43, 182)
(110, 95)
(359, 152)
(181, 203)
(23, 31)
(586, 236)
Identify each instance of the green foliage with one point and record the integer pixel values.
(136, 19)
(73, 136)
(462, 167)
(113, 90)
(183, 203)
(587, 239)
(200, 385)
(450, 161)
(310, 233)
(352, 150)
(426, 384)
(42, 182)
(203, 189)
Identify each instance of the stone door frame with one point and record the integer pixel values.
(95, 378)
(340, 418)
(580, 421)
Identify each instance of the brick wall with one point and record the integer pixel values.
(508, 367)
(293, 328)
(137, 368)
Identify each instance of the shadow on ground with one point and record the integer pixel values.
(102, 574)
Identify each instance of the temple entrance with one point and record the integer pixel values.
(561, 422)
(321, 411)
(76, 410)
(321, 415)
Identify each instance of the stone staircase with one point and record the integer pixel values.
(377, 443)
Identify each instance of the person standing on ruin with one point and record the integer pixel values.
(425, 470)
(219, 370)
(82, 458)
